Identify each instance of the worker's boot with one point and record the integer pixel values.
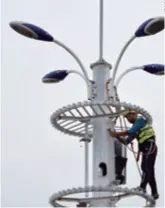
(155, 196)
(120, 164)
(120, 178)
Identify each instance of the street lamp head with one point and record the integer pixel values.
(55, 76)
(31, 31)
(156, 69)
(150, 27)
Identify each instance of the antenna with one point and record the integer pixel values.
(101, 30)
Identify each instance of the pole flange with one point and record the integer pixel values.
(101, 62)
(85, 140)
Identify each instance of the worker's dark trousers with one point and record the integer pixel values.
(147, 166)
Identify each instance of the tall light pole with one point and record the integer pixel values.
(103, 144)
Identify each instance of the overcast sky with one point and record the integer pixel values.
(38, 160)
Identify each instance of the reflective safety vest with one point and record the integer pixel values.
(145, 133)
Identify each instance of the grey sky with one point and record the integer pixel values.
(38, 160)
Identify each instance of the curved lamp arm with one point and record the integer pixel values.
(88, 84)
(118, 61)
(151, 26)
(59, 75)
(78, 73)
(75, 57)
(126, 72)
(32, 31)
(155, 69)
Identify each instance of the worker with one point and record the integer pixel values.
(146, 143)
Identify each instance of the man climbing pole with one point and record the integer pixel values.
(147, 146)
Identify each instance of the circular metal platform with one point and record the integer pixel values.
(72, 119)
(116, 193)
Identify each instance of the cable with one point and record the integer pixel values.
(151, 152)
(137, 164)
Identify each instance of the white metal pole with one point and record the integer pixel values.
(86, 159)
(103, 144)
(86, 168)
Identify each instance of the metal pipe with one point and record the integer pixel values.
(86, 159)
(75, 57)
(118, 62)
(101, 30)
(126, 72)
